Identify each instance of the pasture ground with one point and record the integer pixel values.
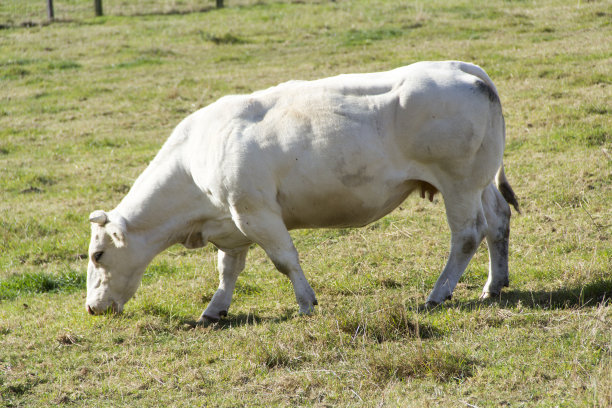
(85, 103)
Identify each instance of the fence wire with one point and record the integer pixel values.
(33, 12)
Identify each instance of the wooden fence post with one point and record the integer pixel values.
(98, 7)
(50, 13)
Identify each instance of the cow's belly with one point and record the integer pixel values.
(341, 207)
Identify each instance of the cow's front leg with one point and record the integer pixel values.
(468, 225)
(230, 264)
(268, 230)
(497, 212)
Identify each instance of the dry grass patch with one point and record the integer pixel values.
(419, 362)
(387, 322)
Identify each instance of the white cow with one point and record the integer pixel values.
(337, 152)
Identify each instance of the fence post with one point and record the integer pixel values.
(219, 3)
(50, 13)
(98, 7)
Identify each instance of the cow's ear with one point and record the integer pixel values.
(98, 217)
(117, 234)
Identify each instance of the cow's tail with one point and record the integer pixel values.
(504, 188)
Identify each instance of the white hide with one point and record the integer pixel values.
(337, 152)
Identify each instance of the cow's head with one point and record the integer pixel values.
(116, 263)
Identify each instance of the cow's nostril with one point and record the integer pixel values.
(91, 312)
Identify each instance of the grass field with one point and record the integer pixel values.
(85, 103)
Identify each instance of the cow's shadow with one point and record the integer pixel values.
(249, 319)
(591, 294)
(244, 319)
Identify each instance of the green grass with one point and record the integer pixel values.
(26, 283)
(85, 103)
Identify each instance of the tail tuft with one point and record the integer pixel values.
(508, 193)
(504, 188)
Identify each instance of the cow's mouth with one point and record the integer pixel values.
(114, 308)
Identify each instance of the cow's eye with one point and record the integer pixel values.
(97, 256)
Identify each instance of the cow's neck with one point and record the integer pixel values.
(162, 205)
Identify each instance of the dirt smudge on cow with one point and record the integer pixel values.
(352, 178)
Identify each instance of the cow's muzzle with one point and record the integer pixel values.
(113, 308)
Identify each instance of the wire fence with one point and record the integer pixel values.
(34, 12)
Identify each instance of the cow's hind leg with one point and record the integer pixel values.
(468, 225)
(497, 212)
(268, 230)
(230, 264)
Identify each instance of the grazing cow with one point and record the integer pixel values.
(336, 152)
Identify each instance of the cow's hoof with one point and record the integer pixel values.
(307, 311)
(488, 295)
(209, 318)
(308, 308)
(189, 325)
(205, 321)
(307, 303)
(429, 305)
